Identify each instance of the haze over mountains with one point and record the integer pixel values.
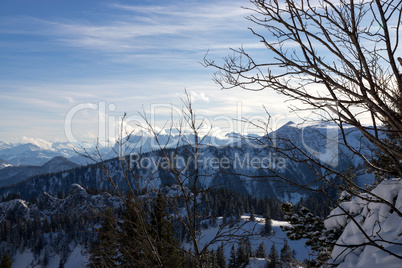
(37, 151)
(20, 161)
(322, 140)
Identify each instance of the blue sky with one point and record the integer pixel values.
(126, 55)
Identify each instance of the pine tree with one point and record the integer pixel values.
(247, 247)
(252, 216)
(133, 247)
(209, 259)
(287, 256)
(233, 258)
(261, 251)
(242, 257)
(103, 250)
(220, 257)
(6, 262)
(45, 261)
(267, 226)
(162, 231)
(305, 225)
(265, 208)
(139, 240)
(273, 258)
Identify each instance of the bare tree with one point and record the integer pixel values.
(190, 180)
(340, 61)
(179, 160)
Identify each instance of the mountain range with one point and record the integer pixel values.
(37, 151)
(243, 173)
(15, 174)
(41, 229)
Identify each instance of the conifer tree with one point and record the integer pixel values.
(233, 258)
(252, 216)
(247, 247)
(208, 261)
(220, 257)
(273, 258)
(103, 250)
(6, 262)
(139, 240)
(45, 260)
(261, 251)
(133, 247)
(304, 224)
(267, 226)
(242, 257)
(162, 231)
(287, 256)
(385, 165)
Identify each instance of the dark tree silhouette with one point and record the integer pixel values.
(338, 60)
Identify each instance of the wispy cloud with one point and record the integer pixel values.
(186, 26)
(134, 57)
(217, 10)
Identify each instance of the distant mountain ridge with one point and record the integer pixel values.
(32, 154)
(16, 174)
(239, 175)
(37, 151)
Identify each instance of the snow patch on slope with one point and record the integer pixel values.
(44, 145)
(252, 230)
(78, 258)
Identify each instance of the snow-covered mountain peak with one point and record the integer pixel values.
(4, 145)
(42, 144)
(58, 163)
(290, 124)
(314, 125)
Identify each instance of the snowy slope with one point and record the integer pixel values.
(78, 258)
(56, 241)
(81, 203)
(253, 230)
(377, 220)
(4, 164)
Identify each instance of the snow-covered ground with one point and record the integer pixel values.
(79, 258)
(257, 263)
(380, 223)
(247, 227)
(76, 259)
